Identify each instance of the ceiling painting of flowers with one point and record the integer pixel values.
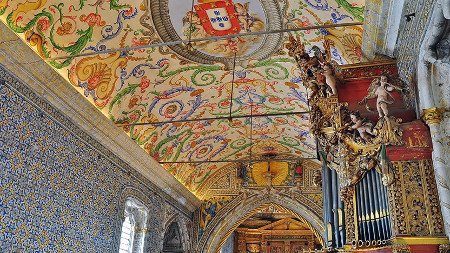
(191, 85)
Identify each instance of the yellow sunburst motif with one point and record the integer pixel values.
(277, 172)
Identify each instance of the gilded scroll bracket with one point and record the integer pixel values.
(433, 115)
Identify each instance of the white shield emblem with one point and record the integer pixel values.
(219, 19)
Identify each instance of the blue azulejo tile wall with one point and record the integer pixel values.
(59, 191)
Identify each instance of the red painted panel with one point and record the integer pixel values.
(424, 248)
(418, 145)
(354, 91)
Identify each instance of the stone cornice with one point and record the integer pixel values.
(44, 84)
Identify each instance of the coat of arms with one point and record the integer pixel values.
(218, 17)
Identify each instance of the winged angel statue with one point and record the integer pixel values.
(381, 90)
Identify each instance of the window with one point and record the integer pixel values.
(126, 238)
(134, 227)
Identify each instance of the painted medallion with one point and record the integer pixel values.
(219, 18)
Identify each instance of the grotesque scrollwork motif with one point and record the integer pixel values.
(401, 249)
(444, 248)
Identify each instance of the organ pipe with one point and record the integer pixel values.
(333, 206)
(373, 221)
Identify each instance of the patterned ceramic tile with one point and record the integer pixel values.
(58, 192)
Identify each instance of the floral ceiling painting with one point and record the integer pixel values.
(176, 99)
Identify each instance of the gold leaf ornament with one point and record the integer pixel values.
(100, 73)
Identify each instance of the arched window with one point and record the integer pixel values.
(172, 239)
(134, 227)
(126, 238)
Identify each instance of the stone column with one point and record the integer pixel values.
(441, 160)
(140, 230)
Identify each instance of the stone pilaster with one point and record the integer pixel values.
(434, 117)
(140, 231)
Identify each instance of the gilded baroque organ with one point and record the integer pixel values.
(379, 189)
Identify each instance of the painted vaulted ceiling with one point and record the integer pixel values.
(82, 40)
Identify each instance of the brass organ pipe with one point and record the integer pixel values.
(376, 203)
(361, 225)
(335, 190)
(330, 207)
(367, 208)
(371, 208)
(383, 207)
(326, 200)
(387, 213)
(380, 199)
(365, 230)
(384, 201)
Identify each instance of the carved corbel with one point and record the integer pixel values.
(433, 115)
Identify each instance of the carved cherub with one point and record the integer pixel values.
(330, 78)
(381, 90)
(318, 71)
(362, 126)
(295, 46)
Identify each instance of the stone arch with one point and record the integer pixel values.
(184, 231)
(173, 241)
(217, 177)
(155, 226)
(225, 222)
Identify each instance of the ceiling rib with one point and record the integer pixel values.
(214, 38)
(232, 86)
(242, 160)
(211, 118)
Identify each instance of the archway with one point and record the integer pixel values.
(225, 223)
(172, 239)
(183, 227)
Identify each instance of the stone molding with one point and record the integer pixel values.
(241, 208)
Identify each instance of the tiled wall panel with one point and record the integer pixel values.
(59, 193)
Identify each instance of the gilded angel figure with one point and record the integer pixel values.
(381, 90)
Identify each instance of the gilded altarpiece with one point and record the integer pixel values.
(283, 236)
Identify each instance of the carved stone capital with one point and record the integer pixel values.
(433, 115)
